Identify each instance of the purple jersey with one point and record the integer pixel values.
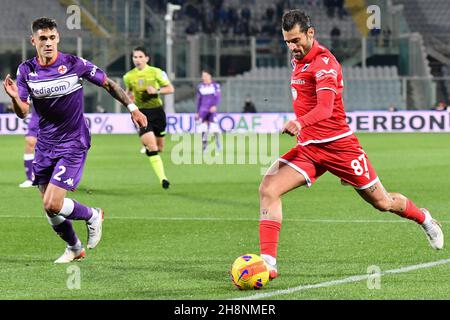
(208, 95)
(56, 91)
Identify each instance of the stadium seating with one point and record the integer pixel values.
(372, 88)
(17, 15)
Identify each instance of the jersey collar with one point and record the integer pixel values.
(50, 64)
(312, 53)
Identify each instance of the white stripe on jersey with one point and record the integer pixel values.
(327, 139)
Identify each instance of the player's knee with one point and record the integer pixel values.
(152, 147)
(267, 191)
(382, 205)
(52, 207)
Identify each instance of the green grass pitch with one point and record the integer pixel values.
(179, 243)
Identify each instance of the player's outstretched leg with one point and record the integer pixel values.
(28, 165)
(158, 166)
(405, 208)
(94, 217)
(64, 229)
(433, 230)
(279, 179)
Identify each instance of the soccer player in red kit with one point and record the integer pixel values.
(325, 143)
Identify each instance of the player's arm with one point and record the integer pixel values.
(20, 107)
(216, 102)
(165, 87)
(120, 95)
(323, 110)
(326, 90)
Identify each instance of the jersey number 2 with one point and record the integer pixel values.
(61, 172)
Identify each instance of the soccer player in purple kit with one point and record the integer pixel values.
(30, 143)
(53, 82)
(208, 98)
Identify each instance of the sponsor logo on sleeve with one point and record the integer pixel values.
(326, 73)
(94, 70)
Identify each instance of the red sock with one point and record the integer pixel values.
(412, 212)
(269, 232)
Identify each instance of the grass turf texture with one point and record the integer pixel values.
(179, 243)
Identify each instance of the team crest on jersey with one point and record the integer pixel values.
(62, 69)
(305, 67)
(293, 64)
(294, 93)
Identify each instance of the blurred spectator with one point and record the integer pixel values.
(392, 108)
(387, 37)
(330, 7)
(249, 106)
(270, 12)
(339, 4)
(9, 108)
(335, 35)
(246, 14)
(441, 106)
(100, 109)
(192, 28)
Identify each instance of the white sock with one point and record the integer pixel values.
(428, 218)
(76, 246)
(56, 220)
(95, 214)
(28, 156)
(269, 259)
(67, 207)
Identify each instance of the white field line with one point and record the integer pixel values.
(343, 281)
(226, 219)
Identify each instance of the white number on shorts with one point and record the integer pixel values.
(62, 170)
(356, 165)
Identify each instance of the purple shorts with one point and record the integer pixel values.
(207, 116)
(59, 165)
(33, 125)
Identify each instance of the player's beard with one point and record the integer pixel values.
(301, 52)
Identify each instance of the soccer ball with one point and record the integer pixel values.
(249, 271)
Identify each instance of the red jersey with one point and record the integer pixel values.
(318, 70)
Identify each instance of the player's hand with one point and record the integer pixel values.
(139, 119)
(197, 116)
(213, 109)
(292, 128)
(151, 90)
(11, 87)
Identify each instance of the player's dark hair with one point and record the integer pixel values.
(296, 17)
(43, 23)
(142, 49)
(207, 71)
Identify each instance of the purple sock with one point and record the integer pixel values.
(28, 164)
(66, 232)
(80, 212)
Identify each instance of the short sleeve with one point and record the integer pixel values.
(89, 71)
(162, 78)
(126, 81)
(24, 93)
